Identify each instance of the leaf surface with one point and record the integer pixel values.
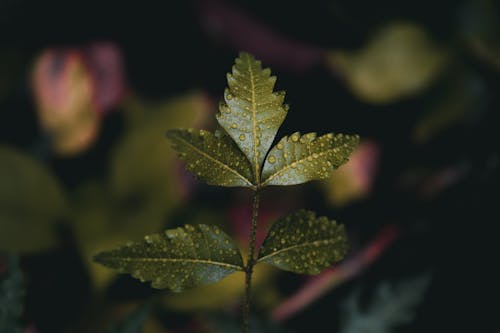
(177, 259)
(213, 158)
(31, 202)
(303, 243)
(251, 112)
(297, 159)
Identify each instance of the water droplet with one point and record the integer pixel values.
(244, 114)
(234, 125)
(279, 146)
(228, 110)
(242, 137)
(257, 142)
(148, 239)
(272, 159)
(229, 97)
(295, 137)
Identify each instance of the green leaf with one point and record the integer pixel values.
(213, 158)
(11, 297)
(134, 322)
(252, 113)
(179, 258)
(303, 243)
(298, 159)
(31, 201)
(142, 162)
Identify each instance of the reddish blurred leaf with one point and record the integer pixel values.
(354, 180)
(233, 26)
(72, 87)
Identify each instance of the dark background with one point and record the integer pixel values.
(452, 235)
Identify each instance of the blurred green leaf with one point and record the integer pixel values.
(101, 221)
(399, 61)
(142, 164)
(461, 97)
(31, 201)
(389, 307)
(213, 158)
(134, 322)
(222, 294)
(252, 113)
(298, 159)
(177, 259)
(303, 243)
(11, 297)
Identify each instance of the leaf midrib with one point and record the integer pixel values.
(254, 120)
(201, 152)
(194, 261)
(316, 242)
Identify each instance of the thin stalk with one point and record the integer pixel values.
(250, 262)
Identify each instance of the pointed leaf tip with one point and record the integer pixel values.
(297, 159)
(177, 259)
(303, 243)
(251, 112)
(212, 157)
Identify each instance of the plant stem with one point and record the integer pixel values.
(250, 262)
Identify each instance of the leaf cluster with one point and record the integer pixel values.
(241, 154)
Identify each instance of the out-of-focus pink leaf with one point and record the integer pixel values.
(105, 64)
(354, 180)
(233, 26)
(317, 286)
(72, 88)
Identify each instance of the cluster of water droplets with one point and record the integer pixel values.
(212, 157)
(303, 243)
(251, 112)
(178, 259)
(297, 159)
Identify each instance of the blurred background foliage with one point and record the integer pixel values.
(88, 90)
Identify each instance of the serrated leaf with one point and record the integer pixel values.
(303, 243)
(11, 297)
(252, 113)
(298, 159)
(30, 199)
(213, 158)
(177, 259)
